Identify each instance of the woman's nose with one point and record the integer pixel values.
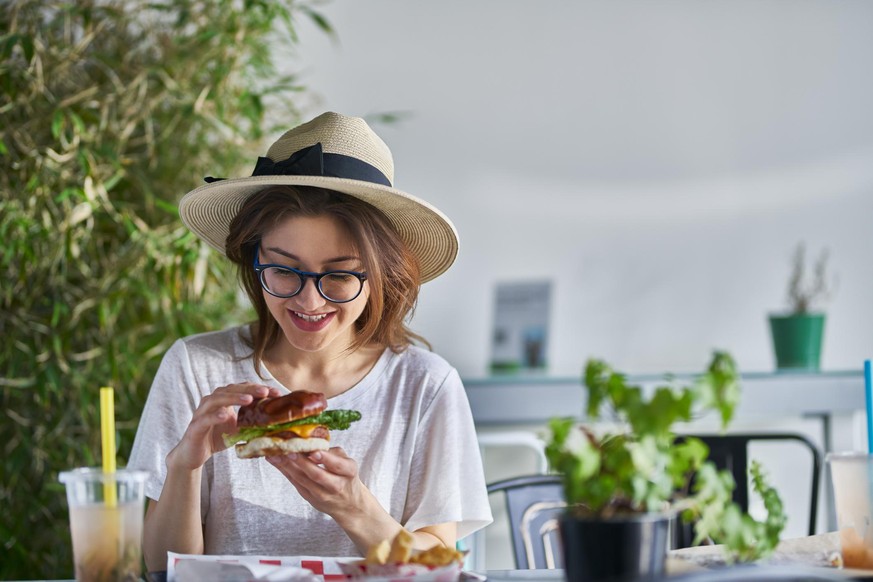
(309, 298)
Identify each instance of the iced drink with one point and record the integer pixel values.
(856, 552)
(107, 536)
(852, 477)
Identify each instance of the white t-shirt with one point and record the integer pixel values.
(415, 446)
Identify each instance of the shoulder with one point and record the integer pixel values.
(420, 361)
(423, 375)
(204, 361)
(224, 343)
(211, 351)
(430, 387)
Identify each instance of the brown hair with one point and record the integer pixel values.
(392, 270)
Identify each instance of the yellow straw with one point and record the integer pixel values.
(107, 432)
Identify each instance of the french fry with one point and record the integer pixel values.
(378, 554)
(399, 551)
(401, 548)
(437, 556)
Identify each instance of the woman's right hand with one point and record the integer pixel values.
(215, 416)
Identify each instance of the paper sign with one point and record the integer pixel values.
(521, 326)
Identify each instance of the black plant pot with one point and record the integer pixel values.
(619, 549)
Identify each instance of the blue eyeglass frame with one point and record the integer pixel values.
(304, 275)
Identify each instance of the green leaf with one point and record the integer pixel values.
(113, 180)
(686, 459)
(78, 123)
(7, 43)
(75, 193)
(597, 381)
(167, 207)
(719, 388)
(57, 124)
(320, 21)
(27, 47)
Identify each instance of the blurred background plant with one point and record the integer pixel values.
(110, 111)
(808, 290)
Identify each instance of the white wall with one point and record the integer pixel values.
(657, 160)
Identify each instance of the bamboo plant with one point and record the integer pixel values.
(110, 110)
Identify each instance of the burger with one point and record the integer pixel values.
(297, 422)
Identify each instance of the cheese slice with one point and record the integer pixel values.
(301, 430)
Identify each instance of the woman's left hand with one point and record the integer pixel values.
(328, 480)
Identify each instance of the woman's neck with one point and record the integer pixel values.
(328, 372)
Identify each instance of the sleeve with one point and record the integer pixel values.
(447, 482)
(169, 407)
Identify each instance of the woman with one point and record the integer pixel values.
(321, 202)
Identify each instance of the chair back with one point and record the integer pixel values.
(533, 503)
(731, 452)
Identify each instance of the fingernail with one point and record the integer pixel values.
(292, 456)
(316, 456)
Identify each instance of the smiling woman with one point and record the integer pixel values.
(317, 241)
(308, 229)
(319, 209)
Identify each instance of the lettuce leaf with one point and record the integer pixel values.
(332, 419)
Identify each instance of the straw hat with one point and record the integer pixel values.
(338, 153)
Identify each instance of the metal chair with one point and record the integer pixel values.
(730, 452)
(533, 503)
(502, 439)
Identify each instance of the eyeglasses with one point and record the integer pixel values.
(284, 282)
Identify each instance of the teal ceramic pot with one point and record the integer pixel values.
(626, 548)
(797, 340)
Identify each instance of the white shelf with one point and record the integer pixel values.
(502, 400)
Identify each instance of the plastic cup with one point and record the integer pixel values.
(107, 533)
(852, 478)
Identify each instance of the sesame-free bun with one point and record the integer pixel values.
(267, 446)
(278, 409)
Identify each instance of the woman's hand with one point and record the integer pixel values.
(328, 480)
(215, 416)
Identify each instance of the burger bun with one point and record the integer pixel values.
(267, 446)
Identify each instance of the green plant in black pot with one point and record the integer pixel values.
(798, 333)
(624, 486)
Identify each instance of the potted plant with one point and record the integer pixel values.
(624, 486)
(797, 334)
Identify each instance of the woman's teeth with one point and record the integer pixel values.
(305, 317)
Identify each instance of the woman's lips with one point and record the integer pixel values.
(306, 322)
